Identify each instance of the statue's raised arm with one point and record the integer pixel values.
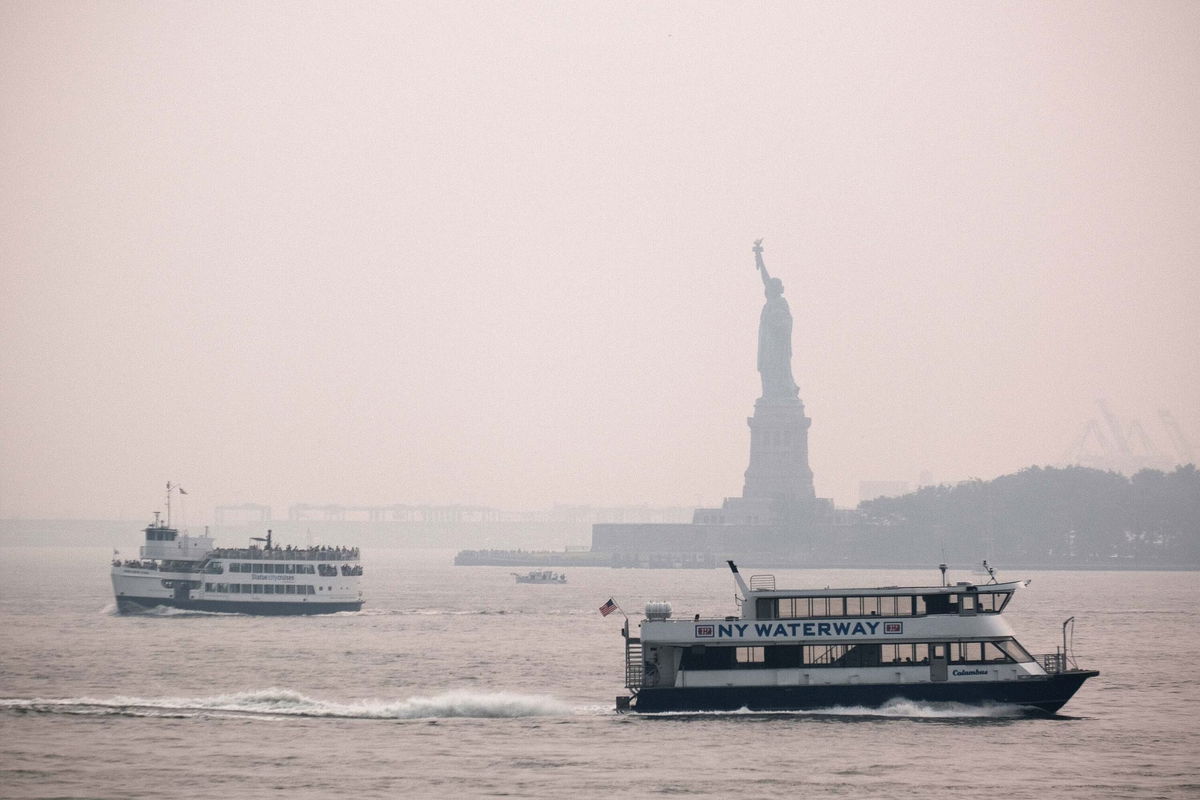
(758, 259)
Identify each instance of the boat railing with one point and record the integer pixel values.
(1063, 659)
(762, 582)
(1056, 662)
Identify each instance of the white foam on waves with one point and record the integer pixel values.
(276, 702)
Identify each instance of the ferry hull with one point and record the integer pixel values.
(133, 605)
(1047, 694)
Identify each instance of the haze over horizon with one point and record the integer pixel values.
(500, 254)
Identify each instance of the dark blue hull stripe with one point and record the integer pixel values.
(1047, 694)
(128, 605)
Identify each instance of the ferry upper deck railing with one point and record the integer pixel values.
(763, 582)
(285, 554)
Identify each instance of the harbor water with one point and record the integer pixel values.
(459, 682)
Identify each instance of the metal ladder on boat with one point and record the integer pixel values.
(634, 666)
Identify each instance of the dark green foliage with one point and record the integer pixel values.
(1044, 515)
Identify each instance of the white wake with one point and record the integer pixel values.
(276, 702)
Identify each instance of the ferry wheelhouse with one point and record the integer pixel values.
(188, 572)
(809, 649)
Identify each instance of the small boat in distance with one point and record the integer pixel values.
(188, 572)
(541, 576)
(794, 650)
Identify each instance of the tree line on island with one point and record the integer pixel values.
(1070, 516)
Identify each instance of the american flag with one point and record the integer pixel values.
(608, 608)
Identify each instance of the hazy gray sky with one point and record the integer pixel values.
(500, 252)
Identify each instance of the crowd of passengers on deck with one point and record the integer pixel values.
(314, 553)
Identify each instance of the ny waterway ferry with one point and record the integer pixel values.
(810, 649)
(188, 572)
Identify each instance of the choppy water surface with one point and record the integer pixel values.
(459, 682)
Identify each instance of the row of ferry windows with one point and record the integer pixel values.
(879, 606)
(281, 569)
(262, 588)
(850, 655)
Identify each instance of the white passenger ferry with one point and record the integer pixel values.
(540, 576)
(187, 572)
(808, 649)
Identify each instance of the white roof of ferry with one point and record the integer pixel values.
(954, 588)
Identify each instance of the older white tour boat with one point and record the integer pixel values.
(178, 570)
(820, 648)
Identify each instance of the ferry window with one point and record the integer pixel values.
(786, 608)
(1014, 650)
(967, 652)
(993, 653)
(208, 587)
(801, 607)
(854, 606)
(920, 653)
(235, 588)
(968, 603)
(822, 655)
(860, 655)
(993, 601)
(820, 606)
(246, 589)
(784, 655)
(887, 606)
(895, 653)
(919, 605)
(701, 657)
(837, 606)
(750, 655)
(258, 588)
(290, 569)
(870, 606)
(256, 567)
(289, 589)
(941, 603)
(765, 608)
(311, 590)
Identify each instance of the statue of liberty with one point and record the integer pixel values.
(774, 338)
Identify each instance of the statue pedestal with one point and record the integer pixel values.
(779, 469)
